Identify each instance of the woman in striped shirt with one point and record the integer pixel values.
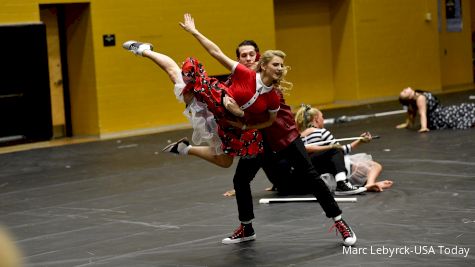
(361, 169)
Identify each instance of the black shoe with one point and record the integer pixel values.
(243, 233)
(349, 237)
(344, 188)
(177, 147)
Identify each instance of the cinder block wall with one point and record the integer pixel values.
(340, 51)
(116, 93)
(347, 51)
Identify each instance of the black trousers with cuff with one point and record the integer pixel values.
(300, 161)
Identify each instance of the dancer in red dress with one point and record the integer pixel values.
(275, 121)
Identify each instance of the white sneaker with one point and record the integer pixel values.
(137, 47)
(347, 234)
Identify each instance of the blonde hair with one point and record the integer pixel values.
(305, 116)
(280, 84)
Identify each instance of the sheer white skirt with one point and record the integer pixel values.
(205, 129)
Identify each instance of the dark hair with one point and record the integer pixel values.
(410, 103)
(246, 42)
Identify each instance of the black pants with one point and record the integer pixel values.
(289, 181)
(298, 158)
(329, 161)
(246, 170)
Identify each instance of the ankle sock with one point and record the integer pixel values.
(341, 176)
(184, 151)
(142, 48)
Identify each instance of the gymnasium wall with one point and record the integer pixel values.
(133, 92)
(340, 51)
(456, 50)
(352, 51)
(115, 93)
(396, 47)
(303, 32)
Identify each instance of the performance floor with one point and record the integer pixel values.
(124, 203)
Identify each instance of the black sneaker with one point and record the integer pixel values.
(243, 233)
(344, 188)
(349, 237)
(177, 147)
(137, 47)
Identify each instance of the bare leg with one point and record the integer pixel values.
(373, 174)
(165, 63)
(208, 153)
(174, 72)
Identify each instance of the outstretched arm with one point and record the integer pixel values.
(189, 26)
(366, 137)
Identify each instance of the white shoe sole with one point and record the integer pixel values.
(350, 242)
(354, 192)
(169, 147)
(238, 240)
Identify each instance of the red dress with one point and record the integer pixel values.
(235, 142)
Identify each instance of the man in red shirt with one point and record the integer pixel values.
(283, 138)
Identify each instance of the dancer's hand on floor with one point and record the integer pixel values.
(402, 126)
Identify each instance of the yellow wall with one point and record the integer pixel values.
(113, 91)
(339, 50)
(456, 50)
(134, 93)
(303, 32)
(82, 71)
(396, 46)
(344, 53)
(367, 50)
(16, 11)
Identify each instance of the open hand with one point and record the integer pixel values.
(188, 24)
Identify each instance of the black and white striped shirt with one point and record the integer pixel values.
(319, 135)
